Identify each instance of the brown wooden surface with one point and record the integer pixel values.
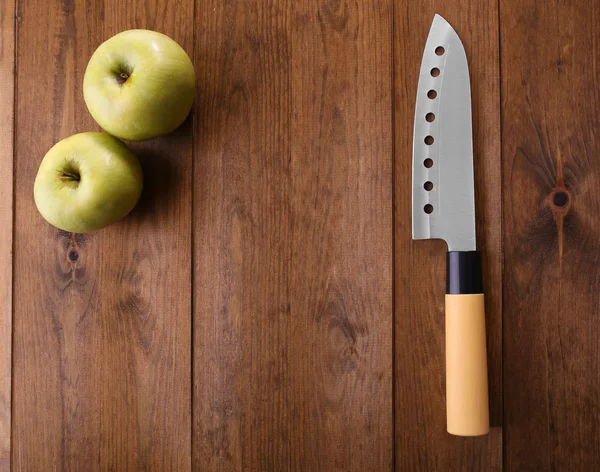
(102, 346)
(421, 439)
(341, 291)
(264, 307)
(7, 87)
(551, 144)
(292, 202)
(241, 237)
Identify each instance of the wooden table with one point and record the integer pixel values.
(264, 307)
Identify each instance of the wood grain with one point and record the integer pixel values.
(341, 176)
(292, 237)
(286, 212)
(101, 344)
(551, 145)
(242, 229)
(7, 87)
(421, 441)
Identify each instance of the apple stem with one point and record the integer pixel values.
(122, 78)
(66, 175)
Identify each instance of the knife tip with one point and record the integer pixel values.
(438, 17)
(439, 22)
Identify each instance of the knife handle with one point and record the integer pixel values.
(467, 407)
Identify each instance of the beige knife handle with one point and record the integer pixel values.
(466, 366)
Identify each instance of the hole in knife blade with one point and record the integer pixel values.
(435, 72)
(428, 186)
(429, 140)
(430, 117)
(440, 51)
(428, 209)
(432, 94)
(428, 163)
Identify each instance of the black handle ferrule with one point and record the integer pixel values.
(463, 272)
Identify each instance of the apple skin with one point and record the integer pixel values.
(153, 97)
(109, 185)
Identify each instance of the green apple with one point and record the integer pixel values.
(86, 182)
(139, 85)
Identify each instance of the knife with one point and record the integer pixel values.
(443, 207)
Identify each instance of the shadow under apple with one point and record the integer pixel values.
(167, 166)
(158, 181)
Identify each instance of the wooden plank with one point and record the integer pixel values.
(101, 345)
(420, 412)
(292, 335)
(242, 230)
(550, 149)
(7, 85)
(341, 176)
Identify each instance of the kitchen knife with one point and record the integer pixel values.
(443, 207)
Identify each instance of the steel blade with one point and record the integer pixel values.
(446, 119)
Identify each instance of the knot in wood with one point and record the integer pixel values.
(73, 255)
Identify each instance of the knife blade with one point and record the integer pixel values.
(443, 207)
(443, 113)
